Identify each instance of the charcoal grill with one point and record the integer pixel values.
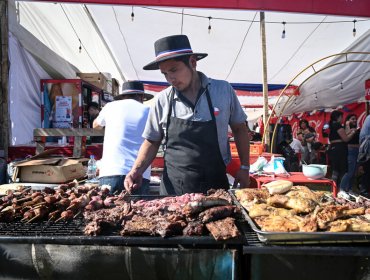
(72, 232)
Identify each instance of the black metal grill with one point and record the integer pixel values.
(71, 232)
(70, 228)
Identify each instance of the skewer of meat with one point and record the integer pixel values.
(28, 215)
(39, 213)
(53, 215)
(65, 215)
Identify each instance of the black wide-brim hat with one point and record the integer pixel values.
(171, 47)
(134, 88)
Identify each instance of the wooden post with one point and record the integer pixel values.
(4, 123)
(264, 78)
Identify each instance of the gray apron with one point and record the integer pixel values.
(192, 159)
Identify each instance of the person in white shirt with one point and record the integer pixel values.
(296, 145)
(124, 120)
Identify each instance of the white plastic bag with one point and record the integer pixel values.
(258, 165)
(275, 165)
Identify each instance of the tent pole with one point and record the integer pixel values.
(4, 124)
(264, 78)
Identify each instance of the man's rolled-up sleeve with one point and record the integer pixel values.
(237, 114)
(153, 129)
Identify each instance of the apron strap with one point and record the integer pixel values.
(172, 94)
(210, 107)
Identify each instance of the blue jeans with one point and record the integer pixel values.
(347, 180)
(116, 182)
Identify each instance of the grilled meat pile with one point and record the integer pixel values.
(189, 215)
(300, 209)
(63, 203)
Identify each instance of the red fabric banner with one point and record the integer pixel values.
(318, 118)
(367, 89)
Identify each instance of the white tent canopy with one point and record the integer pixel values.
(111, 42)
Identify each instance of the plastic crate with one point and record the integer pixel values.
(256, 149)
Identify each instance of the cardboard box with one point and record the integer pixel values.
(96, 79)
(115, 87)
(50, 170)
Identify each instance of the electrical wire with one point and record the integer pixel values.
(100, 34)
(246, 20)
(297, 50)
(81, 43)
(241, 47)
(124, 40)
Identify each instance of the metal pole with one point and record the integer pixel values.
(264, 78)
(4, 69)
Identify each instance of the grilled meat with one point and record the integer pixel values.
(299, 204)
(139, 225)
(333, 212)
(195, 228)
(263, 209)
(278, 224)
(216, 213)
(223, 229)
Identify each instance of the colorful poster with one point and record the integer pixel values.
(63, 109)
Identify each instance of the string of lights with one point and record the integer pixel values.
(124, 39)
(81, 44)
(248, 20)
(297, 50)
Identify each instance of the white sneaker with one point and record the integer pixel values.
(343, 194)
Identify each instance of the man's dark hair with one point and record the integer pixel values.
(94, 105)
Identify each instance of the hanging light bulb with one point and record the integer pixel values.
(354, 28)
(80, 47)
(341, 85)
(316, 96)
(209, 25)
(132, 13)
(283, 33)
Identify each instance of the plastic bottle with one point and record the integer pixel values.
(91, 169)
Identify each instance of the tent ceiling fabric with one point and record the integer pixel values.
(131, 42)
(338, 85)
(331, 7)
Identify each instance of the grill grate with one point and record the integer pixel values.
(70, 228)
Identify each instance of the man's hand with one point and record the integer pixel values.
(242, 177)
(133, 181)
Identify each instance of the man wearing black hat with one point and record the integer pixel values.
(124, 121)
(192, 118)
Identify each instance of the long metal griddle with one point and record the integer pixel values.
(296, 238)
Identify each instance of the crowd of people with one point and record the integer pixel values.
(345, 137)
(349, 165)
(345, 140)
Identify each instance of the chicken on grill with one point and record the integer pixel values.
(299, 204)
